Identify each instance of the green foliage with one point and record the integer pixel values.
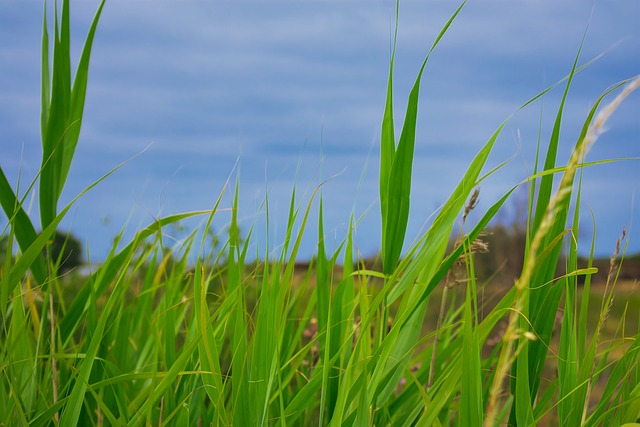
(149, 339)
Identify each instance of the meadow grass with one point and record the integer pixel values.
(149, 337)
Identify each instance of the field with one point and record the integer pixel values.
(447, 332)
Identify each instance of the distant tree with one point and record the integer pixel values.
(64, 246)
(505, 255)
(67, 249)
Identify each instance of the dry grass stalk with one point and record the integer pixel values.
(479, 246)
(604, 312)
(564, 190)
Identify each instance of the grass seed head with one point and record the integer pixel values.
(473, 202)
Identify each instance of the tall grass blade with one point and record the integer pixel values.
(23, 228)
(71, 413)
(341, 325)
(471, 399)
(387, 145)
(545, 298)
(322, 278)
(61, 117)
(395, 190)
(207, 348)
(110, 269)
(323, 293)
(243, 413)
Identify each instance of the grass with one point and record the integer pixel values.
(150, 338)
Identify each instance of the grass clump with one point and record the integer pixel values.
(150, 338)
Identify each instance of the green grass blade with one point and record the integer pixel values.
(545, 299)
(30, 256)
(77, 99)
(207, 347)
(471, 407)
(433, 244)
(21, 362)
(70, 415)
(570, 410)
(62, 114)
(110, 269)
(50, 187)
(22, 227)
(398, 185)
(448, 262)
(323, 291)
(545, 188)
(341, 325)
(45, 90)
(322, 279)
(243, 413)
(387, 141)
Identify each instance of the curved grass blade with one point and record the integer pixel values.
(23, 228)
(34, 250)
(110, 269)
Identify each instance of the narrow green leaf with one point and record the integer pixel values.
(110, 269)
(77, 99)
(544, 194)
(70, 415)
(387, 141)
(207, 348)
(243, 413)
(45, 80)
(22, 227)
(471, 387)
(322, 278)
(61, 116)
(398, 182)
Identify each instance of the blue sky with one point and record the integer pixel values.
(294, 93)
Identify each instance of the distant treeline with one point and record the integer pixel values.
(498, 260)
